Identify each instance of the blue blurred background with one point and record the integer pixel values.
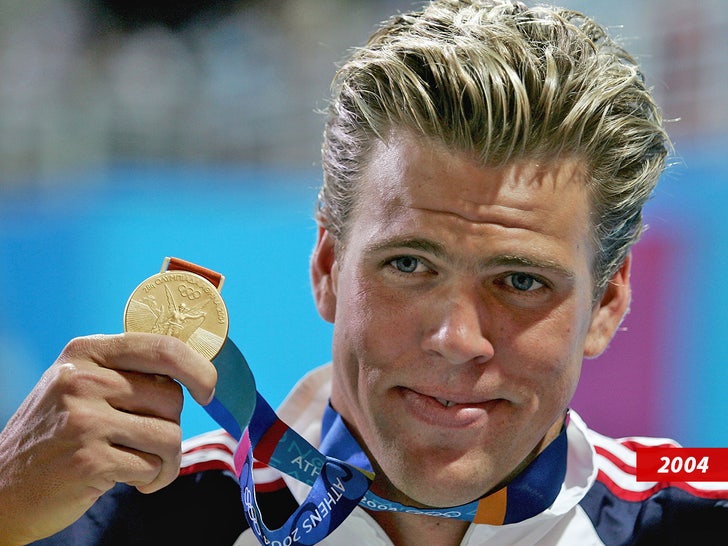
(128, 135)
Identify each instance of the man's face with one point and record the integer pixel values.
(462, 308)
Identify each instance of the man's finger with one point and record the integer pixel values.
(151, 354)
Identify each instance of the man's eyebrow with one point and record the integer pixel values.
(501, 260)
(528, 262)
(414, 243)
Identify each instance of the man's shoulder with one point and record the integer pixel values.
(616, 462)
(624, 509)
(202, 507)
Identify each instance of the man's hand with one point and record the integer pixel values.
(107, 411)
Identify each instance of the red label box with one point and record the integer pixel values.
(667, 464)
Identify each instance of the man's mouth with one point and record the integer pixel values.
(455, 411)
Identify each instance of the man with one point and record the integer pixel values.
(485, 169)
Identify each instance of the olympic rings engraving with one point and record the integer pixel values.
(189, 292)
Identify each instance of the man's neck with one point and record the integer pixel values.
(416, 529)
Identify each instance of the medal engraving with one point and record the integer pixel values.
(179, 304)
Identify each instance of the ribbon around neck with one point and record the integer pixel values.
(339, 472)
(336, 486)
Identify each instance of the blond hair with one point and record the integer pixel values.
(503, 81)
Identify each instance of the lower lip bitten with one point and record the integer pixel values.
(442, 412)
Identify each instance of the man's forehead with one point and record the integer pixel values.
(400, 167)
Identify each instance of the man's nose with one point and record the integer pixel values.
(456, 328)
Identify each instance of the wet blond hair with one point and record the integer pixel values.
(503, 81)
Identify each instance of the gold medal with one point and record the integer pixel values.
(181, 301)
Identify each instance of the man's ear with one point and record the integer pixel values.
(323, 274)
(610, 311)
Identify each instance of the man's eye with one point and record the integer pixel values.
(523, 282)
(406, 264)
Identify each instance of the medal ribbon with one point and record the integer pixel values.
(339, 472)
(336, 486)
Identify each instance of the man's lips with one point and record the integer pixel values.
(449, 402)
(445, 409)
(451, 399)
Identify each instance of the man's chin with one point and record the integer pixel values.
(432, 495)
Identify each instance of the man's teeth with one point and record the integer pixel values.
(446, 403)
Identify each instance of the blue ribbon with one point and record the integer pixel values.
(340, 473)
